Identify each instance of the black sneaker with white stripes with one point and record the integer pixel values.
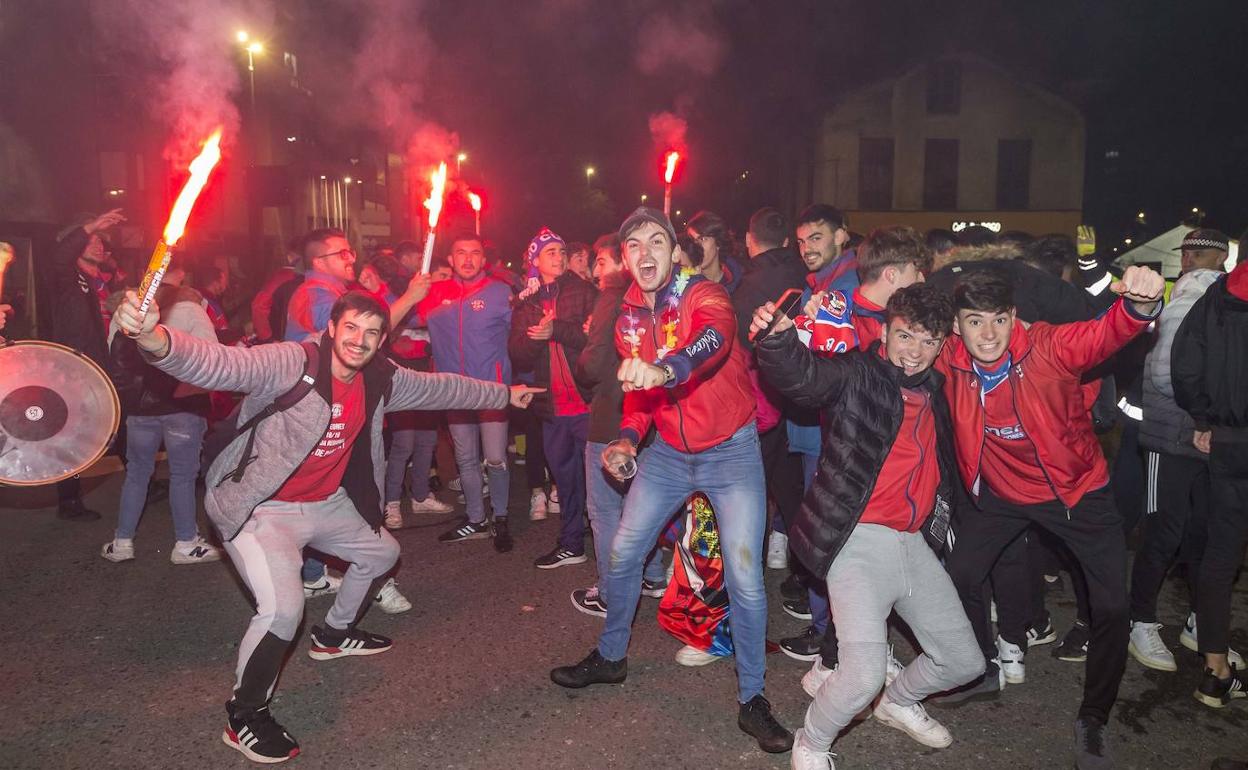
(560, 557)
(468, 531)
(329, 643)
(1042, 634)
(1218, 693)
(257, 735)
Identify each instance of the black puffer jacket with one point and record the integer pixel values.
(1209, 362)
(574, 301)
(859, 394)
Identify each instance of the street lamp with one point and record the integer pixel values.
(459, 163)
(252, 47)
(589, 173)
(644, 198)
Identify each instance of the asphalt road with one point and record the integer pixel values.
(128, 666)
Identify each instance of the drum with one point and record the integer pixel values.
(58, 413)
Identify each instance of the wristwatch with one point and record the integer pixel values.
(669, 374)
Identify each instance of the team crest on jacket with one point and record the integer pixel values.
(477, 305)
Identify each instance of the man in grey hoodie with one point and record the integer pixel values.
(309, 475)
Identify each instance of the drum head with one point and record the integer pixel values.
(58, 413)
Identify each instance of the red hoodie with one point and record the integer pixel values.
(1047, 362)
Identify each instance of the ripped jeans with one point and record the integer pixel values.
(731, 476)
(183, 436)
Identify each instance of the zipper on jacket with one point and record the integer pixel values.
(1039, 460)
(914, 434)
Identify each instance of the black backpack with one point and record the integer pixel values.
(228, 429)
(281, 306)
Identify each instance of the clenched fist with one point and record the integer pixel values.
(1141, 285)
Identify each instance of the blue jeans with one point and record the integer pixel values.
(416, 446)
(183, 436)
(472, 432)
(731, 476)
(817, 594)
(563, 439)
(605, 501)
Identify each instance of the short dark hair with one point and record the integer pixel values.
(1051, 253)
(769, 227)
(977, 235)
(939, 240)
(822, 212)
(207, 274)
(577, 247)
(464, 235)
(361, 303)
(712, 224)
(922, 305)
(609, 242)
(314, 243)
(691, 247)
(1016, 237)
(984, 291)
(898, 245)
(403, 248)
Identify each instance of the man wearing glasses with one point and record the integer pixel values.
(330, 263)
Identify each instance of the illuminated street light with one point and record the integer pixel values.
(644, 197)
(252, 48)
(292, 138)
(589, 174)
(459, 162)
(347, 179)
(1127, 241)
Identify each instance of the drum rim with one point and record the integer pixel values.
(112, 433)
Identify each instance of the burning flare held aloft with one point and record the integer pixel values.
(434, 204)
(669, 172)
(200, 169)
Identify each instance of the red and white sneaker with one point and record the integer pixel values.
(328, 643)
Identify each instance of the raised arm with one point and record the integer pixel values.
(422, 390)
(809, 381)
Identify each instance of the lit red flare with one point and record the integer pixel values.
(200, 168)
(475, 201)
(673, 158)
(434, 201)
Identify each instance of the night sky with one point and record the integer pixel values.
(538, 90)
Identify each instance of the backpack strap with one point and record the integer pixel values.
(302, 387)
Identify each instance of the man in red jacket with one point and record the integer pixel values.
(1027, 454)
(684, 373)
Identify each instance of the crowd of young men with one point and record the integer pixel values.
(908, 436)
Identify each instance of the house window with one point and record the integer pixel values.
(1013, 173)
(875, 173)
(940, 175)
(944, 88)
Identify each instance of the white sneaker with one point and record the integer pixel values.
(813, 679)
(390, 601)
(1012, 665)
(394, 515)
(1146, 647)
(552, 500)
(430, 504)
(692, 656)
(778, 551)
(118, 550)
(537, 505)
(806, 758)
(913, 721)
(196, 551)
(1188, 639)
(327, 584)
